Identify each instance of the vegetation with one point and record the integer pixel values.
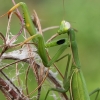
(83, 16)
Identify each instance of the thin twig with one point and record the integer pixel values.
(12, 63)
(49, 28)
(54, 36)
(10, 92)
(26, 76)
(36, 21)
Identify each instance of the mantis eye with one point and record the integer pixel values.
(67, 25)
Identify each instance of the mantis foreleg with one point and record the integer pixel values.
(38, 38)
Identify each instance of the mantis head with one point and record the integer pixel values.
(64, 27)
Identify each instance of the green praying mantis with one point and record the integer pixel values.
(74, 82)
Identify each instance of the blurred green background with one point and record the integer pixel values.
(84, 16)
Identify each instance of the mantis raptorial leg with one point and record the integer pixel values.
(38, 38)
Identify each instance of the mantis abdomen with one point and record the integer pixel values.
(78, 86)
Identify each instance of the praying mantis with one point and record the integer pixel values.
(74, 82)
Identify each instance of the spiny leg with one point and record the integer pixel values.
(65, 81)
(95, 91)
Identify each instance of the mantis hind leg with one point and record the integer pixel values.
(65, 81)
(54, 89)
(95, 91)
